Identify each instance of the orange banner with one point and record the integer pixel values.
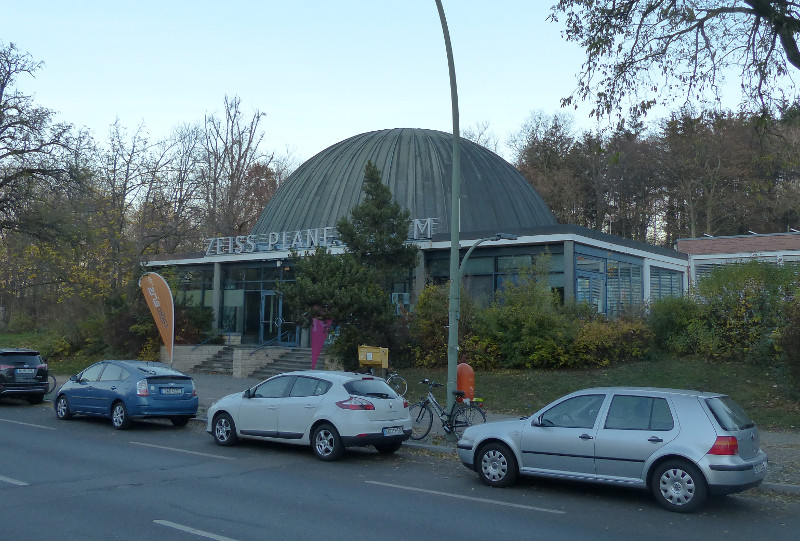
(159, 299)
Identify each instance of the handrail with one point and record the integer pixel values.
(272, 341)
(228, 330)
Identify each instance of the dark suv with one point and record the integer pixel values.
(23, 374)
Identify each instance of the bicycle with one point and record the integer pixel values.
(456, 421)
(52, 384)
(397, 383)
(394, 380)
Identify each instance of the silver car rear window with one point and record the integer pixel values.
(728, 414)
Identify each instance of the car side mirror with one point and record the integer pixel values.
(537, 421)
(246, 394)
(73, 378)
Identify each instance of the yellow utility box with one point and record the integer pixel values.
(373, 357)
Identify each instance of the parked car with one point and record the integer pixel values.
(681, 445)
(128, 390)
(327, 410)
(23, 374)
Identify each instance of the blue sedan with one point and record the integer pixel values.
(127, 390)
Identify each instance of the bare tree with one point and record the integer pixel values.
(30, 145)
(480, 133)
(231, 149)
(645, 50)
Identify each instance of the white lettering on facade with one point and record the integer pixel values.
(304, 238)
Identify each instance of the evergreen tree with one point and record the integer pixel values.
(376, 231)
(352, 289)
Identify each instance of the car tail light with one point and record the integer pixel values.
(355, 403)
(725, 445)
(141, 388)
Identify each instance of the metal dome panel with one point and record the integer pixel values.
(417, 165)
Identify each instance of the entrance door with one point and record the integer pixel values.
(273, 326)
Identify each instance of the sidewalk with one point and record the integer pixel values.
(782, 448)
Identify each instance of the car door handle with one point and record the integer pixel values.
(585, 437)
(655, 439)
(113, 387)
(310, 406)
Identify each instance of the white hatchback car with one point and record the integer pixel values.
(327, 410)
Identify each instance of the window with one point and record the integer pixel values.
(113, 372)
(273, 388)
(665, 283)
(576, 412)
(92, 373)
(729, 415)
(304, 386)
(639, 413)
(369, 387)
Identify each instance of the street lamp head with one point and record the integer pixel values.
(504, 236)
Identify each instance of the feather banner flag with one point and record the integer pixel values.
(159, 298)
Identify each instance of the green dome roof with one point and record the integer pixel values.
(416, 164)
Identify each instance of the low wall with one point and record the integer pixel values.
(185, 358)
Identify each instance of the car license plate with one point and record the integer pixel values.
(26, 371)
(171, 390)
(393, 431)
(759, 468)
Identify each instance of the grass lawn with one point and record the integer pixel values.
(763, 392)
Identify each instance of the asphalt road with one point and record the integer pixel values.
(83, 480)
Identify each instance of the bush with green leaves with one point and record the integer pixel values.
(429, 326)
(526, 324)
(603, 342)
(743, 307)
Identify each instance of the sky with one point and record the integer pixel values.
(321, 71)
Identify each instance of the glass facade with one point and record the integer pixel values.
(665, 283)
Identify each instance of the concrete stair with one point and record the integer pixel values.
(287, 361)
(219, 363)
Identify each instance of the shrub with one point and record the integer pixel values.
(603, 343)
(789, 340)
(743, 305)
(673, 322)
(429, 326)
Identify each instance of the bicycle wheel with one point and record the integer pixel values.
(398, 384)
(421, 420)
(52, 384)
(467, 416)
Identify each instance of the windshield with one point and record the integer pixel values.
(374, 387)
(31, 359)
(728, 414)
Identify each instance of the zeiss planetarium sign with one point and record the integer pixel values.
(303, 239)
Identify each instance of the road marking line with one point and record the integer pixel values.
(13, 481)
(194, 531)
(472, 498)
(182, 450)
(27, 424)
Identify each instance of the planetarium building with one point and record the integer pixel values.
(237, 276)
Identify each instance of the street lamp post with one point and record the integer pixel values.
(455, 196)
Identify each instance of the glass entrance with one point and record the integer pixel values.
(274, 329)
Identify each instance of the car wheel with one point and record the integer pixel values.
(62, 408)
(119, 416)
(679, 486)
(497, 466)
(388, 448)
(326, 443)
(35, 398)
(224, 430)
(180, 420)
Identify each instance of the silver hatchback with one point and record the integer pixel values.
(681, 445)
